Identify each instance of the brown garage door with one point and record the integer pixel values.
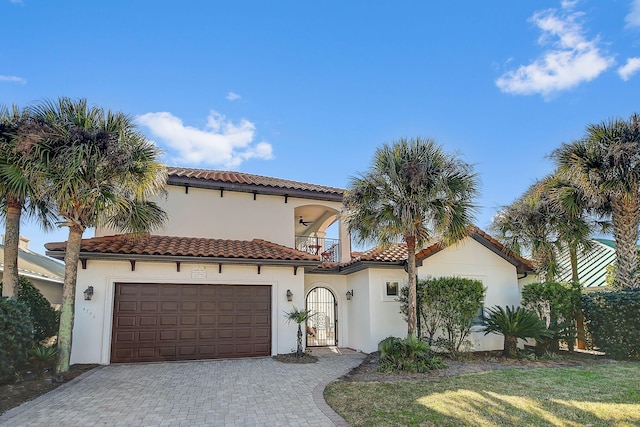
(153, 322)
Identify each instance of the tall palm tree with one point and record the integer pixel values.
(574, 219)
(414, 192)
(527, 226)
(19, 185)
(605, 163)
(102, 172)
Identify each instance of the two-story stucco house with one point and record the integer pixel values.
(237, 252)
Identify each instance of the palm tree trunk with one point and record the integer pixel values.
(299, 349)
(65, 332)
(573, 258)
(413, 290)
(626, 218)
(510, 346)
(11, 243)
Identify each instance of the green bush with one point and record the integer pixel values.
(613, 320)
(447, 307)
(558, 304)
(45, 319)
(16, 336)
(43, 358)
(409, 355)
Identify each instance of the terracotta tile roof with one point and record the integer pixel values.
(394, 253)
(398, 252)
(186, 247)
(245, 179)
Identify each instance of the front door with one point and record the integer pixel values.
(322, 327)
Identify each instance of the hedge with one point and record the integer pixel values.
(613, 320)
(16, 336)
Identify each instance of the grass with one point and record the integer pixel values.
(599, 395)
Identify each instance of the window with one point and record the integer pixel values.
(392, 289)
(479, 319)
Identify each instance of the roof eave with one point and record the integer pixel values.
(252, 188)
(185, 259)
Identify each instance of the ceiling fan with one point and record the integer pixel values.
(305, 223)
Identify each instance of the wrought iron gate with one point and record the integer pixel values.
(322, 327)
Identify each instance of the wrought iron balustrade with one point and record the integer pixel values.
(328, 249)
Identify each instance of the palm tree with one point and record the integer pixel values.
(514, 323)
(414, 192)
(102, 172)
(299, 316)
(527, 226)
(551, 215)
(605, 164)
(19, 181)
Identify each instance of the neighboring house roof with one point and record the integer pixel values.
(152, 247)
(249, 183)
(592, 267)
(34, 265)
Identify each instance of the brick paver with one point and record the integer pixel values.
(241, 392)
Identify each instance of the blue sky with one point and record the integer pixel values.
(308, 90)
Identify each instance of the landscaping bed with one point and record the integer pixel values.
(470, 363)
(30, 385)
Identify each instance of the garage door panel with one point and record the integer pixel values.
(168, 335)
(148, 321)
(148, 306)
(124, 306)
(181, 322)
(125, 321)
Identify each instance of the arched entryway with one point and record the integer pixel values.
(322, 327)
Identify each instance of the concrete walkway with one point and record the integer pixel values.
(245, 392)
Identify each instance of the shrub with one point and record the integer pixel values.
(16, 336)
(447, 307)
(45, 319)
(409, 355)
(43, 358)
(514, 323)
(558, 304)
(613, 320)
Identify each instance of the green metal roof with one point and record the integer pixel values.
(592, 267)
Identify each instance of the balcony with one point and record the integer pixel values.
(328, 249)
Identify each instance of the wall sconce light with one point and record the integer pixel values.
(289, 295)
(88, 293)
(349, 295)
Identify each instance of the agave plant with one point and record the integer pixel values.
(514, 323)
(298, 316)
(43, 358)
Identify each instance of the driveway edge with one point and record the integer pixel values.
(14, 412)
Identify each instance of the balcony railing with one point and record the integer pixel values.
(328, 249)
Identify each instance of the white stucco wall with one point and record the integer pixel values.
(92, 327)
(236, 215)
(359, 321)
(472, 260)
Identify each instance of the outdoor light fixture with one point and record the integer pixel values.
(289, 295)
(349, 295)
(88, 293)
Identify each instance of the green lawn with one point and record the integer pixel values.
(599, 395)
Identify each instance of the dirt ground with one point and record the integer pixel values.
(29, 386)
(472, 363)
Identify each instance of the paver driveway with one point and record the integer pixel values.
(200, 393)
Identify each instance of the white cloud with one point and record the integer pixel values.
(220, 143)
(13, 79)
(629, 69)
(571, 58)
(232, 96)
(633, 18)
